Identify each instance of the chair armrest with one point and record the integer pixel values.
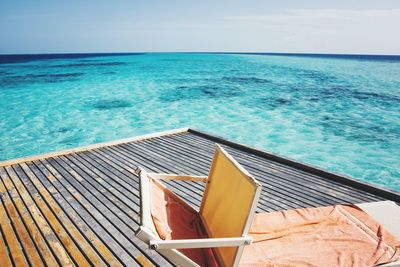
(163, 176)
(200, 243)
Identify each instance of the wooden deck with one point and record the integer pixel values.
(81, 207)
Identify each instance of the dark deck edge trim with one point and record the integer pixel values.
(346, 180)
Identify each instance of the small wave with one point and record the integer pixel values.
(15, 80)
(245, 80)
(197, 92)
(110, 104)
(95, 64)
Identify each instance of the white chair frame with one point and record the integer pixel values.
(168, 248)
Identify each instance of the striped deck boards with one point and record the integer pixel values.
(82, 207)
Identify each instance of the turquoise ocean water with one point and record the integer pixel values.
(335, 112)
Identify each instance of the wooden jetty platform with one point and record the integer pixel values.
(81, 206)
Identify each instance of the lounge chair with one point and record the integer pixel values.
(222, 231)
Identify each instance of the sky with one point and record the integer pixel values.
(291, 26)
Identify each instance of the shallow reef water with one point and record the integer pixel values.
(340, 113)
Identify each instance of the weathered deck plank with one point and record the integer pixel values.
(31, 230)
(83, 207)
(95, 250)
(61, 243)
(5, 259)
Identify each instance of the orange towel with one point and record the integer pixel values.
(328, 236)
(173, 220)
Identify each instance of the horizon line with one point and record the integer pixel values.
(197, 52)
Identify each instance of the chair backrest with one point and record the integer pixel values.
(229, 203)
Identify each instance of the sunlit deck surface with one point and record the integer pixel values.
(82, 207)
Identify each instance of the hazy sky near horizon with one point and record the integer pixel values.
(297, 26)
